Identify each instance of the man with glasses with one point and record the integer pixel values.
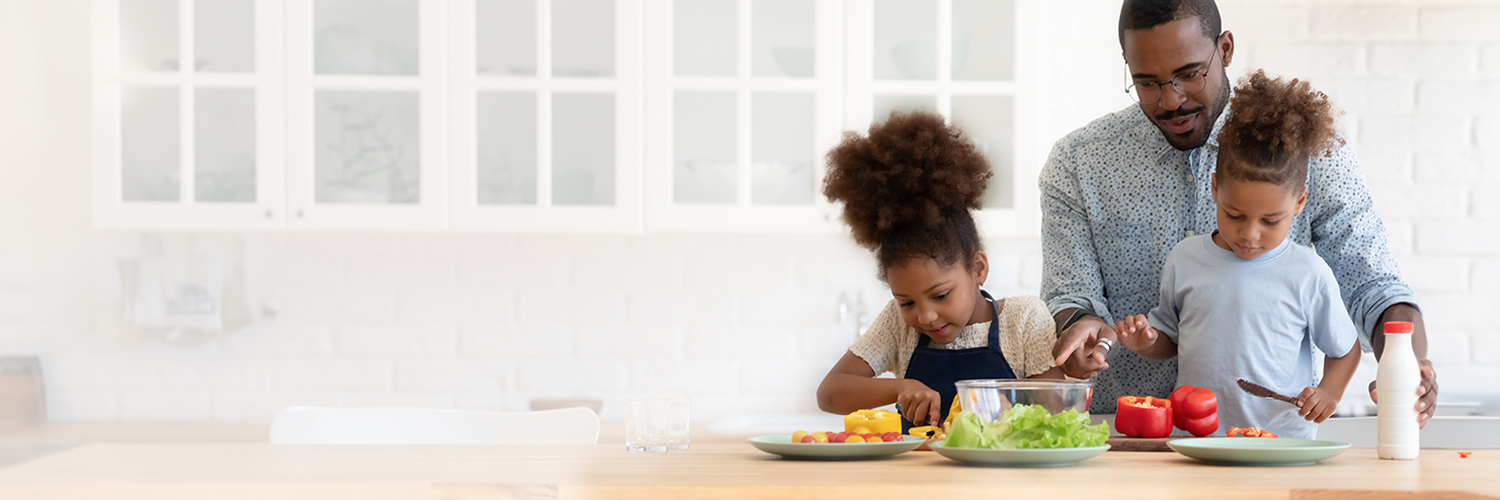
(1119, 193)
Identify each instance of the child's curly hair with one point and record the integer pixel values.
(1274, 126)
(907, 189)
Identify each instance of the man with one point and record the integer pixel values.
(1104, 241)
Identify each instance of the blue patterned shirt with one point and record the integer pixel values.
(1116, 197)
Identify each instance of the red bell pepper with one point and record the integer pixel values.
(1145, 417)
(1252, 432)
(1195, 410)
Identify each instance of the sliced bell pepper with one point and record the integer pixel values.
(1195, 410)
(1254, 432)
(1144, 417)
(876, 421)
(929, 431)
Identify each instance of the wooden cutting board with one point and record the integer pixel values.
(1118, 443)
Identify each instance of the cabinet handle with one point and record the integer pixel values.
(270, 214)
(301, 213)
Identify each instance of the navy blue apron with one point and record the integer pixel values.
(940, 368)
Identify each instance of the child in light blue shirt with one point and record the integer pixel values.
(1244, 302)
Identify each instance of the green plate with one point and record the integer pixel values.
(1257, 451)
(1050, 457)
(781, 444)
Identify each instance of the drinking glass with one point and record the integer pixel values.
(678, 412)
(645, 425)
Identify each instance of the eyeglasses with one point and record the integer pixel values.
(1186, 84)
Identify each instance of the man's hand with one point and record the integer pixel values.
(919, 403)
(1078, 351)
(1426, 393)
(1316, 404)
(1136, 333)
(1428, 389)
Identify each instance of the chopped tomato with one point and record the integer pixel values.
(1465, 454)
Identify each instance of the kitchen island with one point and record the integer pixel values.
(246, 470)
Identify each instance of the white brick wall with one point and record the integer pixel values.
(1423, 59)
(1422, 106)
(1361, 22)
(742, 323)
(1489, 61)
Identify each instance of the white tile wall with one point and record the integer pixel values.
(743, 323)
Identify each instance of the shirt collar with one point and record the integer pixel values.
(1229, 256)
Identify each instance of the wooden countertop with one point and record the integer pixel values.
(139, 432)
(242, 470)
(610, 431)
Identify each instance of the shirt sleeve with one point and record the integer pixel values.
(1348, 234)
(878, 344)
(1165, 316)
(1329, 324)
(1070, 268)
(1038, 331)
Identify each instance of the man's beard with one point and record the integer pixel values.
(1200, 135)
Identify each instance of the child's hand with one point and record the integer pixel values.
(919, 403)
(1317, 404)
(1136, 333)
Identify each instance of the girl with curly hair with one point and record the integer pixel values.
(907, 190)
(1244, 302)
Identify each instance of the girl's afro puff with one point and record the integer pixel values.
(908, 187)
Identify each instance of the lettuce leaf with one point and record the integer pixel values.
(1026, 427)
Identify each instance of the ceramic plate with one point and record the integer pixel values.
(781, 444)
(1051, 457)
(1257, 451)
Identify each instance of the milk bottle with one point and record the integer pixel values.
(1396, 395)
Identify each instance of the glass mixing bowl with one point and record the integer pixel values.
(990, 398)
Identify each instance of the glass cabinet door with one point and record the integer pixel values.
(364, 94)
(148, 31)
(529, 115)
(968, 60)
(749, 93)
(544, 114)
(187, 146)
(224, 147)
(367, 147)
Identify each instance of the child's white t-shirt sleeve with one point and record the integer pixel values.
(877, 346)
(1327, 320)
(1164, 317)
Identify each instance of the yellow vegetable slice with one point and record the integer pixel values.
(929, 432)
(952, 410)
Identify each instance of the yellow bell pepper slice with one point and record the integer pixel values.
(875, 421)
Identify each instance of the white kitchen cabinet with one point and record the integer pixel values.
(366, 141)
(384, 105)
(745, 98)
(545, 105)
(574, 116)
(187, 146)
(974, 62)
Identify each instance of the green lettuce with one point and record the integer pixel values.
(1026, 427)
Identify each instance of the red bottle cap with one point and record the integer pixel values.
(1397, 327)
